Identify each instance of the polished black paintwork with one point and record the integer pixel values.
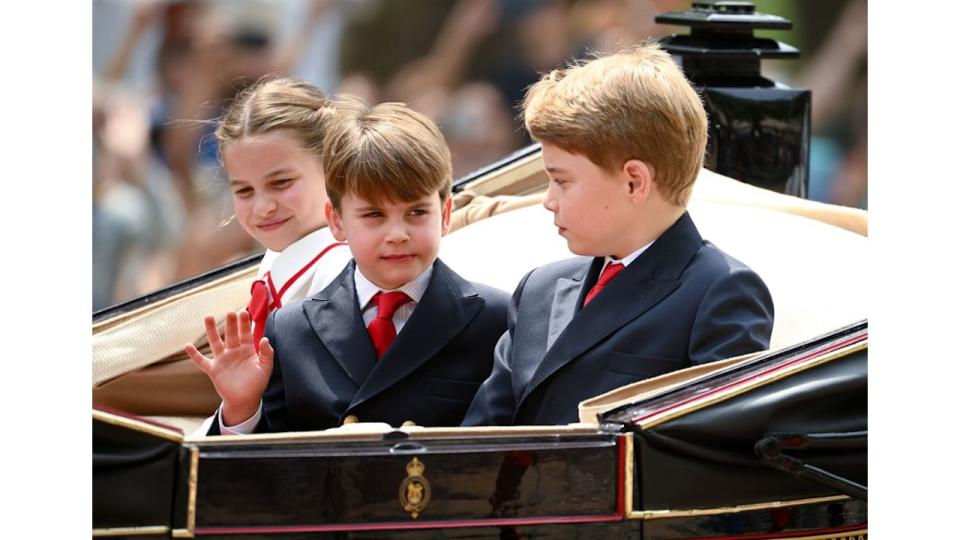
(759, 130)
(133, 477)
(760, 135)
(254, 485)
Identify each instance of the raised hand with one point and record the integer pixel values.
(237, 371)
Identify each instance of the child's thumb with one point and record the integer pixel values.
(266, 354)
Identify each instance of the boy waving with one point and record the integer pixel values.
(398, 336)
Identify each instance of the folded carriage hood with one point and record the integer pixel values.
(697, 445)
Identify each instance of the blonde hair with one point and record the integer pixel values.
(388, 151)
(270, 104)
(634, 104)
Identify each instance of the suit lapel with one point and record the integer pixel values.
(645, 282)
(341, 330)
(447, 306)
(567, 297)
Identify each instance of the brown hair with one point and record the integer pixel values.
(271, 104)
(635, 104)
(388, 151)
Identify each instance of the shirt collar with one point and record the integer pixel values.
(628, 259)
(284, 264)
(415, 289)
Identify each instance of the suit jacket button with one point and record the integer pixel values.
(350, 419)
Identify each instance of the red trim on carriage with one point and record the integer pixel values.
(117, 412)
(742, 382)
(403, 525)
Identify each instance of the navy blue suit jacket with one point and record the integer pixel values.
(325, 367)
(681, 302)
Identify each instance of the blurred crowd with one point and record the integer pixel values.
(164, 69)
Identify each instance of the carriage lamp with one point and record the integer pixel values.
(759, 129)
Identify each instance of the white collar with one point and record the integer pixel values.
(283, 265)
(628, 259)
(415, 288)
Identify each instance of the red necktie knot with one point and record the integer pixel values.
(381, 329)
(606, 276)
(258, 308)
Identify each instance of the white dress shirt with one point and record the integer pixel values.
(414, 289)
(285, 265)
(626, 260)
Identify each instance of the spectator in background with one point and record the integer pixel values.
(473, 73)
(463, 63)
(837, 74)
(478, 126)
(610, 25)
(535, 37)
(181, 164)
(131, 225)
(208, 51)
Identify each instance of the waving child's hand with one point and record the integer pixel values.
(237, 371)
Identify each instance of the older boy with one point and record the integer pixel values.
(623, 139)
(397, 336)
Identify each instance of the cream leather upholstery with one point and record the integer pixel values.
(522, 184)
(813, 270)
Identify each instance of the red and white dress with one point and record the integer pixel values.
(304, 268)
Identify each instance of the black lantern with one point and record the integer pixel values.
(759, 129)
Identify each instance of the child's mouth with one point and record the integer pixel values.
(272, 225)
(397, 258)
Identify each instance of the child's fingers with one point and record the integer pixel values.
(266, 355)
(246, 331)
(213, 335)
(202, 361)
(231, 336)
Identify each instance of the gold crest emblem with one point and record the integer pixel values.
(415, 489)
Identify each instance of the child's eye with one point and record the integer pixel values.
(373, 214)
(243, 192)
(282, 183)
(416, 212)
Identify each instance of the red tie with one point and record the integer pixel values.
(382, 331)
(606, 276)
(258, 308)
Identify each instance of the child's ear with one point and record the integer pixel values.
(639, 176)
(445, 216)
(334, 221)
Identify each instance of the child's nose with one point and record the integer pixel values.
(397, 233)
(264, 205)
(549, 202)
